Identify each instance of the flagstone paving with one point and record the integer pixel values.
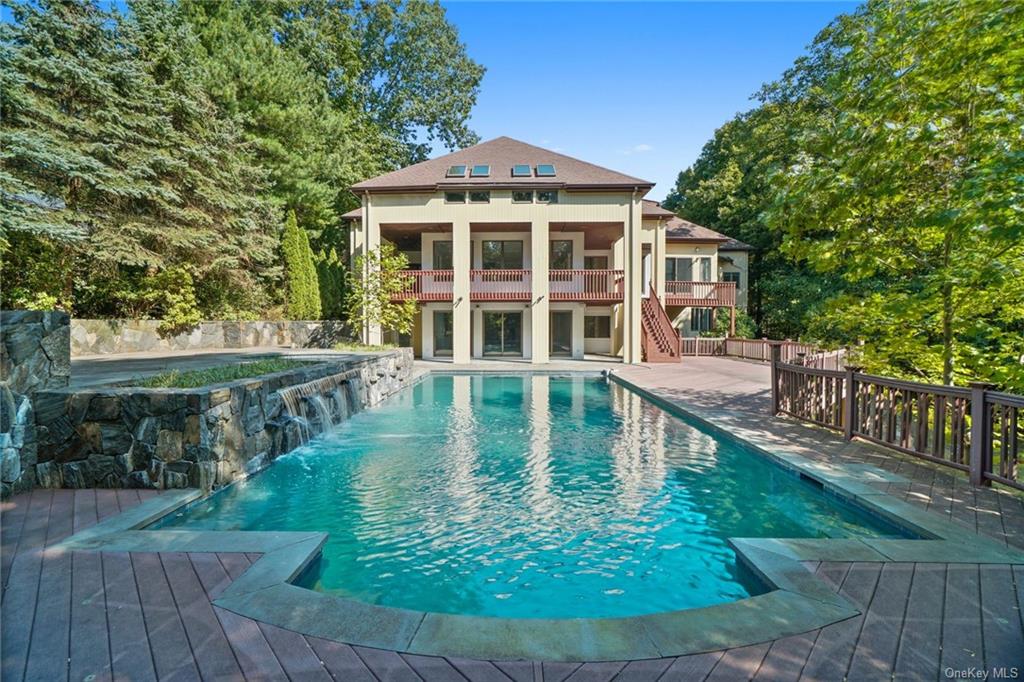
(73, 615)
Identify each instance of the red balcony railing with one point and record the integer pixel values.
(701, 294)
(499, 285)
(586, 285)
(427, 285)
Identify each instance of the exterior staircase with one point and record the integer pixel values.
(659, 340)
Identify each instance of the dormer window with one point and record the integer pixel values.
(521, 170)
(458, 171)
(545, 170)
(481, 171)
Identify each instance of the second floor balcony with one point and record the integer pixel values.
(701, 294)
(588, 286)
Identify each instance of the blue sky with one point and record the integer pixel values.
(637, 87)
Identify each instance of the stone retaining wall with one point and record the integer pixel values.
(34, 355)
(91, 337)
(124, 436)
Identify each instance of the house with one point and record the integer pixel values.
(519, 251)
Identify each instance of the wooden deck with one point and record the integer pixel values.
(144, 616)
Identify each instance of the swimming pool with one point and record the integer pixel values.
(528, 496)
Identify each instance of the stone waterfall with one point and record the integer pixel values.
(315, 406)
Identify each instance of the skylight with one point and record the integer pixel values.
(545, 170)
(456, 171)
(481, 171)
(521, 170)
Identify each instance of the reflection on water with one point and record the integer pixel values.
(528, 496)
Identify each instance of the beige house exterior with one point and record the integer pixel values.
(518, 251)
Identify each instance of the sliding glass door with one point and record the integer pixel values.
(503, 333)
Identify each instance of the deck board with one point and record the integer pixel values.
(835, 645)
(1002, 629)
(786, 657)
(213, 654)
(130, 655)
(691, 668)
(294, 654)
(480, 671)
(433, 668)
(172, 654)
(340, 661)
(89, 655)
(739, 664)
(387, 666)
(961, 621)
(644, 671)
(875, 652)
(604, 671)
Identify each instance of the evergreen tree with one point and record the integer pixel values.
(331, 274)
(300, 271)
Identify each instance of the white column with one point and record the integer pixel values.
(461, 312)
(541, 305)
(631, 304)
(372, 333)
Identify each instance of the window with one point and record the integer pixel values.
(679, 269)
(733, 277)
(682, 269)
(561, 254)
(456, 172)
(521, 170)
(442, 255)
(545, 170)
(479, 197)
(700, 319)
(502, 255)
(595, 262)
(454, 197)
(481, 171)
(522, 197)
(547, 197)
(597, 327)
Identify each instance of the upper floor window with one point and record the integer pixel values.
(561, 254)
(733, 277)
(442, 255)
(458, 171)
(480, 171)
(545, 170)
(524, 197)
(502, 254)
(521, 170)
(688, 269)
(595, 262)
(547, 197)
(479, 197)
(454, 197)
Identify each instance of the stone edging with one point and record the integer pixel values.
(797, 602)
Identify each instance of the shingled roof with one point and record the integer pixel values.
(501, 154)
(652, 209)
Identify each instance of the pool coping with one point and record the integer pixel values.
(797, 602)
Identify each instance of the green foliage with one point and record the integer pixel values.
(174, 137)
(879, 180)
(331, 275)
(745, 327)
(376, 277)
(219, 375)
(300, 272)
(358, 347)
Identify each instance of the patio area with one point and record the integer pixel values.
(141, 616)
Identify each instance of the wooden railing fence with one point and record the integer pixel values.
(747, 349)
(974, 429)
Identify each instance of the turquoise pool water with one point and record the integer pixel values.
(528, 496)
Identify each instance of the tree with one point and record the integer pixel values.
(331, 275)
(906, 117)
(118, 167)
(300, 272)
(376, 278)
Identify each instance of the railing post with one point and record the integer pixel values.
(850, 408)
(776, 356)
(981, 452)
